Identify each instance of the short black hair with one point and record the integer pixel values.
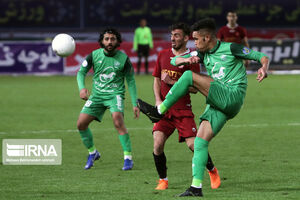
(206, 24)
(182, 26)
(110, 31)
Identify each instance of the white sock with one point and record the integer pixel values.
(164, 179)
(158, 109)
(128, 157)
(93, 152)
(197, 186)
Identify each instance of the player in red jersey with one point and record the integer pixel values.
(180, 116)
(233, 32)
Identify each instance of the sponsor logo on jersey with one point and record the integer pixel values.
(116, 63)
(223, 57)
(194, 53)
(107, 75)
(246, 50)
(174, 75)
(84, 63)
(220, 74)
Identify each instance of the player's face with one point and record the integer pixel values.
(231, 18)
(110, 42)
(178, 39)
(201, 41)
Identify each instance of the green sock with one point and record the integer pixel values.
(126, 144)
(179, 89)
(199, 160)
(87, 139)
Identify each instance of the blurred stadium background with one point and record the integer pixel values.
(257, 153)
(27, 28)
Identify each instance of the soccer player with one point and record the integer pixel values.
(233, 32)
(179, 116)
(142, 43)
(111, 67)
(224, 89)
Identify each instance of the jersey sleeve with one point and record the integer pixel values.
(150, 39)
(157, 67)
(243, 52)
(129, 75)
(85, 67)
(135, 40)
(193, 53)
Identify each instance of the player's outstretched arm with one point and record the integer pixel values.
(179, 61)
(262, 72)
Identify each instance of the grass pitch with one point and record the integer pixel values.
(257, 153)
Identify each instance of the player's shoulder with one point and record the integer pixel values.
(120, 53)
(165, 52)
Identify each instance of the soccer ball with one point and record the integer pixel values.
(63, 45)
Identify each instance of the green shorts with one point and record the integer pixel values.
(223, 103)
(97, 106)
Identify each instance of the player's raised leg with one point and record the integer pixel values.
(87, 138)
(118, 120)
(181, 87)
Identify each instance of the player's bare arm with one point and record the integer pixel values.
(84, 94)
(186, 61)
(262, 72)
(156, 90)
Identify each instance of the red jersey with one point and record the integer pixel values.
(163, 66)
(235, 34)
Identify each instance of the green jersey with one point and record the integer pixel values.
(109, 74)
(142, 35)
(224, 63)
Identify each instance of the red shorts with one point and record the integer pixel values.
(182, 120)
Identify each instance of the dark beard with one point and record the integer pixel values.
(110, 50)
(178, 47)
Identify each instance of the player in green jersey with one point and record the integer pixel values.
(111, 67)
(224, 89)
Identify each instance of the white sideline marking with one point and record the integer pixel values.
(144, 128)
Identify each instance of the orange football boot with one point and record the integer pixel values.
(215, 180)
(162, 184)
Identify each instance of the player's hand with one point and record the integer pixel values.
(167, 79)
(188, 61)
(84, 94)
(136, 112)
(261, 74)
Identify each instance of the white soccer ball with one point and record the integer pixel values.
(63, 45)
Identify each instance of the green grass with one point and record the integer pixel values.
(257, 153)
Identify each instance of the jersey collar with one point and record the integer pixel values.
(236, 25)
(214, 49)
(186, 52)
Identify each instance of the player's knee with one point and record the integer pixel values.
(118, 123)
(158, 147)
(81, 125)
(191, 146)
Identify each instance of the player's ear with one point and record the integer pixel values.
(186, 38)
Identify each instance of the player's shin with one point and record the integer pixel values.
(179, 89)
(87, 139)
(160, 163)
(199, 161)
(126, 146)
